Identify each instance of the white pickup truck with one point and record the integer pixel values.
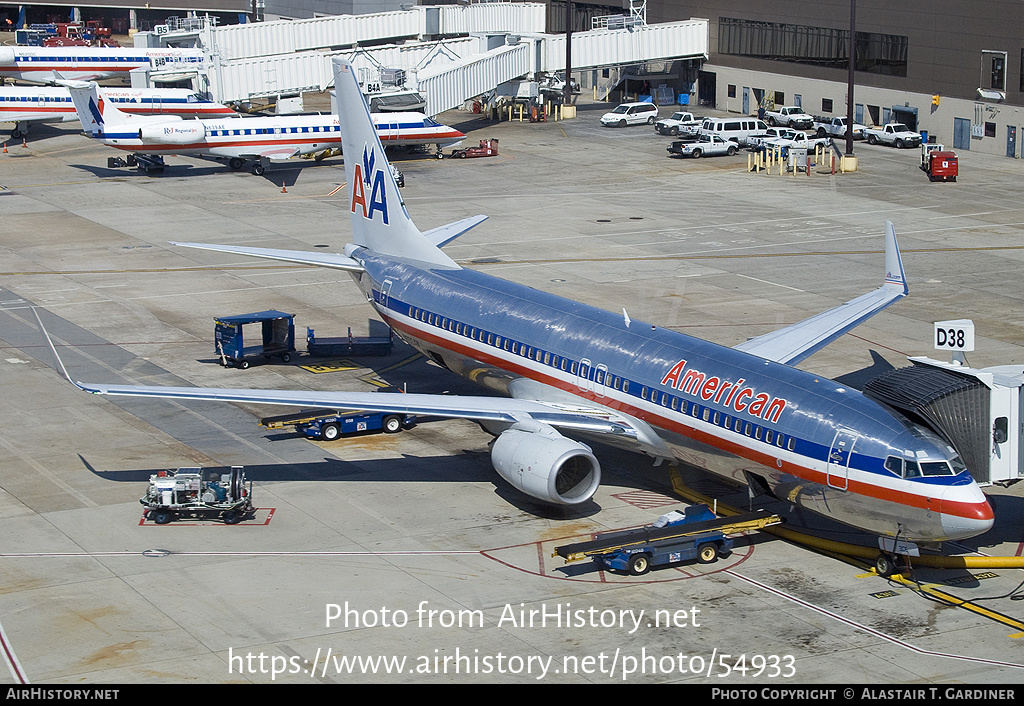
(797, 139)
(836, 127)
(789, 115)
(755, 141)
(679, 122)
(896, 134)
(705, 146)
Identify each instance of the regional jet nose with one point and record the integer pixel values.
(965, 512)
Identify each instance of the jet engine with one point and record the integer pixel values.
(545, 465)
(7, 56)
(184, 132)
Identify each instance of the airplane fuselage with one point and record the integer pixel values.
(282, 136)
(54, 104)
(37, 64)
(815, 442)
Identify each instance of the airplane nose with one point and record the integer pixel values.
(965, 512)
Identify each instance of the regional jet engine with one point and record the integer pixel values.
(184, 132)
(7, 56)
(542, 463)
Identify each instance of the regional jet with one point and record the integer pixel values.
(23, 105)
(37, 64)
(577, 373)
(241, 139)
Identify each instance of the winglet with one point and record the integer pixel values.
(895, 275)
(53, 349)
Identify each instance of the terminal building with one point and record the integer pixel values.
(952, 70)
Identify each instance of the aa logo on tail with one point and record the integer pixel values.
(97, 111)
(367, 179)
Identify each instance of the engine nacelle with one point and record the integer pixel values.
(184, 132)
(545, 465)
(7, 56)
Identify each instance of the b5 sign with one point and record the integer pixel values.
(957, 335)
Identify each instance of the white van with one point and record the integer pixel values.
(735, 129)
(631, 114)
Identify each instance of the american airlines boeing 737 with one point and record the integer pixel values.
(240, 139)
(576, 372)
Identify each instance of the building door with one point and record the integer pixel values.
(1011, 141)
(746, 101)
(707, 87)
(961, 134)
(907, 116)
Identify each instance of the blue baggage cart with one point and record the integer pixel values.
(277, 339)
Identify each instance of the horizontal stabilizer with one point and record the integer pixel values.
(331, 260)
(446, 234)
(794, 343)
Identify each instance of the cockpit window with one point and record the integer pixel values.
(903, 468)
(936, 468)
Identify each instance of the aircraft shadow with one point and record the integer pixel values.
(857, 379)
(467, 467)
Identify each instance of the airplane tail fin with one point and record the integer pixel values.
(380, 221)
(96, 113)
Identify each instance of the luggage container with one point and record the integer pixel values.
(277, 341)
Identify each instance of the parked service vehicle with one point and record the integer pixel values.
(734, 129)
(836, 127)
(895, 134)
(677, 123)
(796, 139)
(939, 163)
(704, 146)
(757, 140)
(631, 114)
(198, 492)
(790, 116)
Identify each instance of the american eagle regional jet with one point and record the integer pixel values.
(29, 104)
(573, 371)
(239, 139)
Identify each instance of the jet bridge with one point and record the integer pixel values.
(978, 411)
(503, 44)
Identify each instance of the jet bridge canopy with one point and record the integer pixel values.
(956, 406)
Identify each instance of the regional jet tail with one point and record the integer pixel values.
(239, 139)
(577, 373)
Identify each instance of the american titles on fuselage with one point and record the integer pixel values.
(742, 399)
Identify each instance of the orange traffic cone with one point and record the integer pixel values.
(24, 143)
(283, 190)
(5, 148)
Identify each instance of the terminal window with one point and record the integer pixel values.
(822, 46)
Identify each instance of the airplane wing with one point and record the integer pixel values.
(499, 409)
(794, 343)
(331, 260)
